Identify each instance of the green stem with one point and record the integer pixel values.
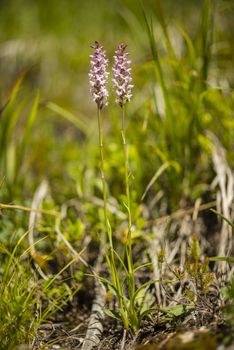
(104, 190)
(114, 273)
(127, 189)
(126, 173)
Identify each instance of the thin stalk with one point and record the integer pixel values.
(104, 191)
(23, 208)
(113, 269)
(129, 236)
(126, 174)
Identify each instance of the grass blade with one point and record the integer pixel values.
(79, 124)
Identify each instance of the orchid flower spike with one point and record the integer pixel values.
(98, 75)
(122, 76)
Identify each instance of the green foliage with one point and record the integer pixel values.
(26, 301)
(14, 144)
(183, 78)
(224, 218)
(174, 312)
(198, 271)
(20, 299)
(229, 296)
(187, 116)
(228, 259)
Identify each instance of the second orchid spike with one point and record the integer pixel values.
(122, 76)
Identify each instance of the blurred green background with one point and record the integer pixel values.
(54, 37)
(51, 40)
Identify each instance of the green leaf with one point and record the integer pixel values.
(63, 269)
(121, 261)
(161, 77)
(17, 84)
(178, 310)
(228, 259)
(148, 312)
(223, 217)
(143, 265)
(27, 131)
(189, 43)
(113, 314)
(104, 281)
(147, 284)
(68, 116)
(158, 173)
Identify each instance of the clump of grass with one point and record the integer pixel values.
(19, 301)
(26, 300)
(14, 145)
(186, 92)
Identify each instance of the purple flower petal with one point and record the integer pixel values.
(122, 76)
(98, 75)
